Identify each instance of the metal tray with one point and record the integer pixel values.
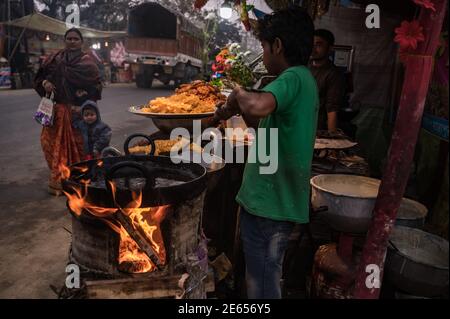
(137, 110)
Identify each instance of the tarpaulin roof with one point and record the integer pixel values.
(40, 22)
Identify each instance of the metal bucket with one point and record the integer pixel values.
(417, 262)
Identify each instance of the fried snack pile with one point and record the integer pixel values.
(165, 146)
(194, 98)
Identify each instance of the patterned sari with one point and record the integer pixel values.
(69, 71)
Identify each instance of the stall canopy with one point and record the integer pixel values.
(40, 22)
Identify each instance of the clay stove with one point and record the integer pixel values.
(136, 227)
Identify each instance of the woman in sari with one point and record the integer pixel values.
(73, 77)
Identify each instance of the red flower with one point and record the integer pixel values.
(427, 4)
(409, 34)
(217, 68)
(220, 59)
(198, 4)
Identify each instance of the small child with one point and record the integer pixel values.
(96, 134)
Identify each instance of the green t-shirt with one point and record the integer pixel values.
(284, 195)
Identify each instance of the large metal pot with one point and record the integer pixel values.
(417, 262)
(349, 200)
(162, 182)
(214, 165)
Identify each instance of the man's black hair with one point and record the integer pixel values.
(294, 27)
(326, 35)
(76, 31)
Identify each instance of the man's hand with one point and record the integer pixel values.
(232, 101)
(48, 86)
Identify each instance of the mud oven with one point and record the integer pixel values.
(136, 228)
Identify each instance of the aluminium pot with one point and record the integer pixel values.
(347, 203)
(349, 200)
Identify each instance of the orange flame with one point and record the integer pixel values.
(83, 169)
(146, 220)
(130, 254)
(77, 202)
(64, 171)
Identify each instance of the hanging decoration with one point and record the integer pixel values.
(409, 34)
(427, 4)
(244, 9)
(315, 8)
(258, 13)
(198, 4)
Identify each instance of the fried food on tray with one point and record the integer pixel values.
(165, 146)
(196, 97)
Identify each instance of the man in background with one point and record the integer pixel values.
(330, 81)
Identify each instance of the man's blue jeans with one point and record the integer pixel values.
(264, 242)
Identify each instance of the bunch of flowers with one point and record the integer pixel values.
(230, 64)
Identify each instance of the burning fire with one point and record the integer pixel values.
(131, 256)
(146, 221)
(64, 171)
(77, 202)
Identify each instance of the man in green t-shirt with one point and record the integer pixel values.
(273, 200)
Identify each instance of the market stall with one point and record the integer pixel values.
(177, 224)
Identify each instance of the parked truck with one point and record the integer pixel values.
(162, 44)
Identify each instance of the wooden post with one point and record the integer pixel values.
(415, 88)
